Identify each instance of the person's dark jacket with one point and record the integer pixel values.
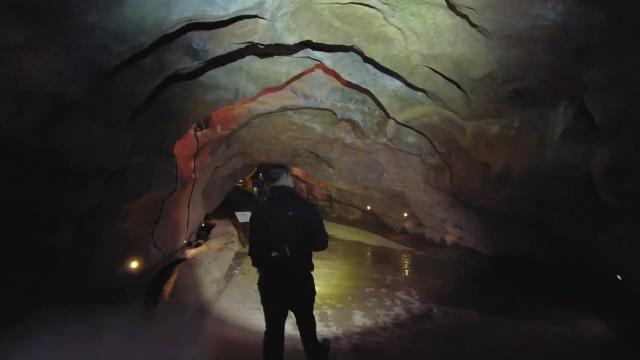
(284, 230)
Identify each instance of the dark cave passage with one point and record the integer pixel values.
(476, 164)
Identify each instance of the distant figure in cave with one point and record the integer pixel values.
(284, 230)
(260, 185)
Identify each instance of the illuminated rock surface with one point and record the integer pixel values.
(506, 106)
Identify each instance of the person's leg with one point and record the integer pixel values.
(302, 303)
(274, 306)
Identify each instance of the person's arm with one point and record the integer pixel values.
(319, 236)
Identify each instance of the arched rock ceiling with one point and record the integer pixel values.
(442, 101)
(507, 107)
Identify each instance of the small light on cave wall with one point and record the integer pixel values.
(368, 207)
(405, 214)
(134, 265)
(619, 277)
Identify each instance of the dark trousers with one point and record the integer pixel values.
(279, 293)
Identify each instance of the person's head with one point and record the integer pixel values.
(279, 174)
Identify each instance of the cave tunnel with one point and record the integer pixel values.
(475, 162)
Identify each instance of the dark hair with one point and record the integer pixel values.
(275, 171)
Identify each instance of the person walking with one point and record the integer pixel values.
(284, 231)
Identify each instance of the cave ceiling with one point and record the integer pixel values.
(493, 104)
(488, 82)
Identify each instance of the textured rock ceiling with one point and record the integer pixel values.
(466, 114)
(426, 100)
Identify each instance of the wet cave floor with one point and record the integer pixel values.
(377, 299)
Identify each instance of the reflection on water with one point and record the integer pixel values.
(361, 286)
(358, 287)
(405, 265)
(375, 292)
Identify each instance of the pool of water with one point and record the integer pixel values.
(370, 295)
